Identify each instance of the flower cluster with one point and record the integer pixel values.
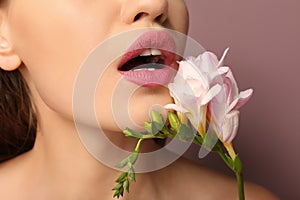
(206, 100)
(206, 92)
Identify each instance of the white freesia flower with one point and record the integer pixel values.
(224, 106)
(192, 88)
(205, 89)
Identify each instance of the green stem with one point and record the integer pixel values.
(225, 159)
(238, 173)
(137, 147)
(240, 180)
(198, 140)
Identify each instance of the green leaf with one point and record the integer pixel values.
(210, 141)
(230, 161)
(156, 127)
(118, 186)
(148, 127)
(156, 117)
(218, 146)
(121, 191)
(185, 133)
(152, 128)
(123, 163)
(122, 177)
(126, 185)
(238, 166)
(116, 194)
(133, 157)
(131, 174)
(131, 133)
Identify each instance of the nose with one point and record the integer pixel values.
(147, 10)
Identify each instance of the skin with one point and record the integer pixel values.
(47, 41)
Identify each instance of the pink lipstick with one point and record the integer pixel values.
(150, 60)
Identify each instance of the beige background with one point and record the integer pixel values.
(263, 36)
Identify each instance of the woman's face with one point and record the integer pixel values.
(53, 37)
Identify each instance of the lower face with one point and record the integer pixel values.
(54, 37)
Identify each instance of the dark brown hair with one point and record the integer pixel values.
(18, 123)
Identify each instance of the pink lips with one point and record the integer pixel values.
(151, 40)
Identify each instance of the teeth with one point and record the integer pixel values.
(156, 52)
(153, 52)
(149, 69)
(135, 70)
(146, 53)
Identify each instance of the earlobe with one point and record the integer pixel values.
(9, 61)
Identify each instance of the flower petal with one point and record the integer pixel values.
(190, 70)
(196, 86)
(223, 70)
(176, 107)
(211, 93)
(233, 88)
(198, 116)
(242, 99)
(230, 126)
(209, 62)
(223, 57)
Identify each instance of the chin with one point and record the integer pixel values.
(128, 105)
(146, 99)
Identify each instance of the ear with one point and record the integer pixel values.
(9, 60)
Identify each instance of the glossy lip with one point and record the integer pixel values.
(156, 40)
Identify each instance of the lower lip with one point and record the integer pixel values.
(148, 78)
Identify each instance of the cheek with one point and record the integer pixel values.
(104, 100)
(52, 46)
(178, 16)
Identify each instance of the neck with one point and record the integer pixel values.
(59, 158)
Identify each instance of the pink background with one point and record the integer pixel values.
(263, 36)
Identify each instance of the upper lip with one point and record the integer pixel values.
(156, 39)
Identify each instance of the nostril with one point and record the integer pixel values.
(139, 16)
(159, 18)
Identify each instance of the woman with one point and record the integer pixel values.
(42, 44)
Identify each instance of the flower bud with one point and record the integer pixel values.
(148, 127)
(174, 121)
(156, 117)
